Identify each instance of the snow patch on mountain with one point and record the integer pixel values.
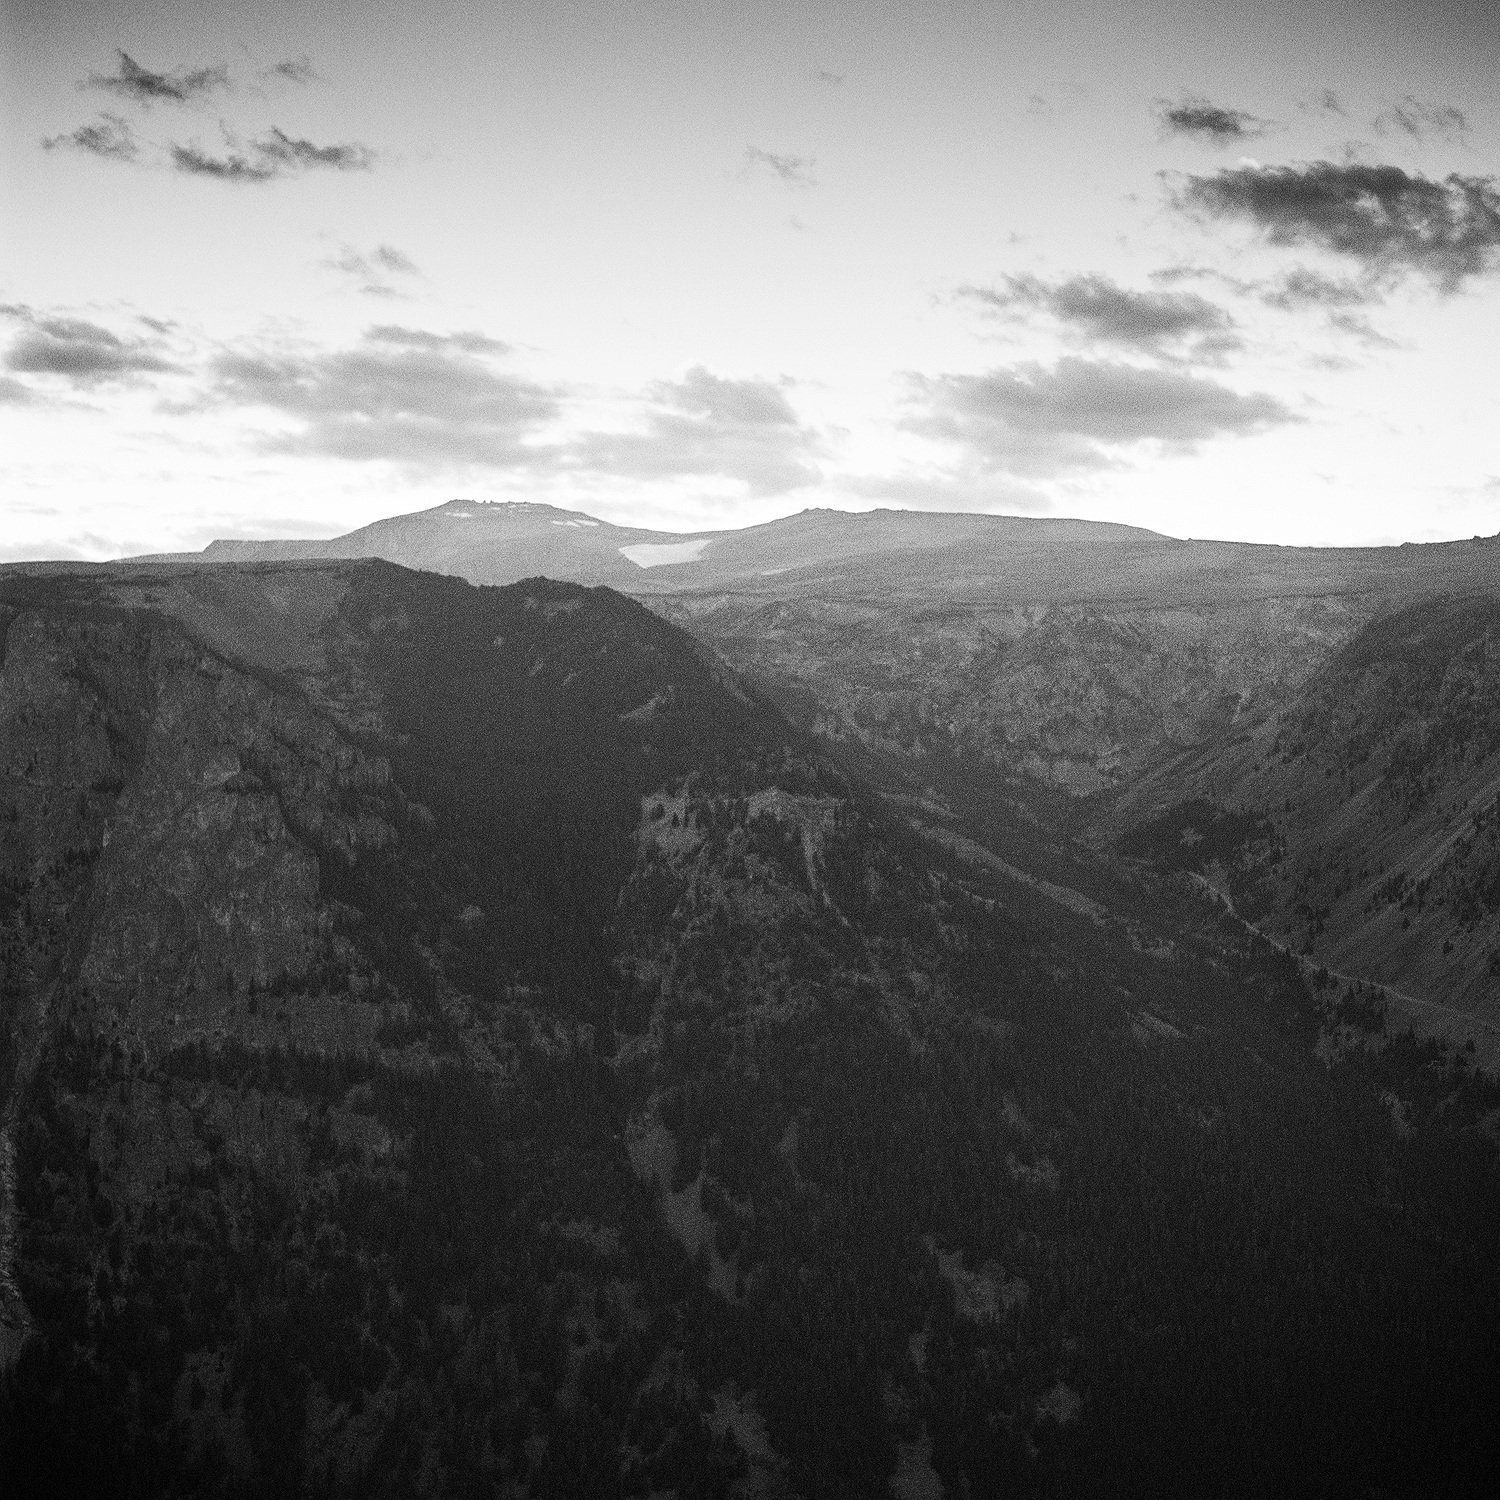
(655, 554)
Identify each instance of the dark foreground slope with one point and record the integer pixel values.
(460, 1041)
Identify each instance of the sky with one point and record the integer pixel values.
(1217, 269)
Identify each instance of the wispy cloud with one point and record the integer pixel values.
(233, 166)
(292, 153)
(710, 426)
(404, 395)
(466, 340)
(143, 86)
(1419, 121)
(1323, 102)
(1301, 287)
(107, 135)
(1031, 420)
(292, 70)
(793, 171)
(273, 153)
(1203, 120)
(373, 268)
(388, 258)
(79, 351)
(1359, 327)
(1390, 221)
(1164, 324)
(268, 157)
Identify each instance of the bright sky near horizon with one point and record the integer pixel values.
(278, 269)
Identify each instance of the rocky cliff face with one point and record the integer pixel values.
(1377, 785)
(466, 1040)
(1074, 697)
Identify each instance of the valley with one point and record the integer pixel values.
(1094, 677)
(745, 1040)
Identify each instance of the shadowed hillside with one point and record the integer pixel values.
(465, 1040)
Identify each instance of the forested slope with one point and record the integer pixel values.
(463, 1041)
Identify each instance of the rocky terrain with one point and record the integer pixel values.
(468, 1040)
(1373, 792)
(1080, 676)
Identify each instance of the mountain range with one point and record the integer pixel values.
(1095, 676)
(922, 1022)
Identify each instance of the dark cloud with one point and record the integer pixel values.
(401, 395)
(141, 86)
(1031, 420)
(705, 425)
(270, 156)
(292, 153)
(79, 351)
(192, 161)
(1420, 121)
(13, 392)
(794, 171)
(107, 135)
(825, 75)
(1210, 122)
(1390, 221)
(1102, 311)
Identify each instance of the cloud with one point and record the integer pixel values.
(466, 341)
(1032, 420)
(293, 70)
(108, 135)
(793, 171)
(270, 156)
(1210, 122)
(291, 152)
(233, 167)
(372, 269)
(1102, 311)
(1390, 221)
(80, 351)
(1359, 327)
(389, 258)
(1419, 121)
(826, 75)
(402, 395)
(141, 86)
(13, 392)
(1301, 287)
(1055, 106)
(1324, 102)
(709, 426)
